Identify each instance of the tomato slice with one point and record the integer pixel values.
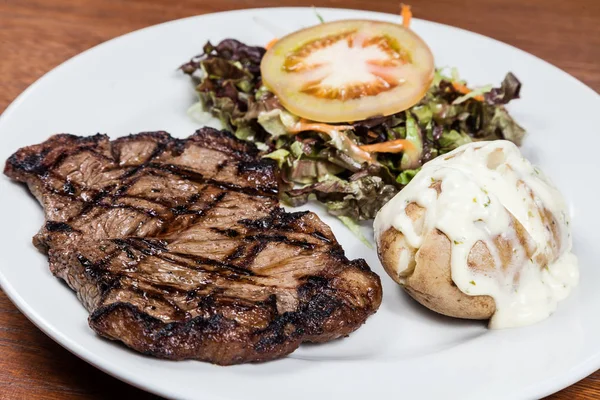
(347, 71)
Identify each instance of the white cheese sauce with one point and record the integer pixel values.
(485, 186)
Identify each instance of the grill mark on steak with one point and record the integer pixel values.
(183, 210)
(237, 253)
(253, 252)
(53, 226)
(231, 233)
(179, 249)
(130, 245)
(198, 178)
(105, 193)
(148, 248)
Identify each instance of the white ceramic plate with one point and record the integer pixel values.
(130, 84)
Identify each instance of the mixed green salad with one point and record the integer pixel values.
(329, 162)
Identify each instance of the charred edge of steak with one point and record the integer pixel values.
(225, 142)
(39, 159)
(216, 338)
(278, 219)
(281, 220)
(318, 303)
(223, 341)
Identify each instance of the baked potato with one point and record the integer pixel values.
(450, 240)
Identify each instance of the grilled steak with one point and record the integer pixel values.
(179, 249)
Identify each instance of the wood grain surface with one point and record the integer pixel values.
(37, 35)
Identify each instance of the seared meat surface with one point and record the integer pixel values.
(179, 249)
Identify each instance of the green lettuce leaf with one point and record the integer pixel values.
(453, 139)
(472, 94)
(406, 176)
(307, 171)
(503, 126)
(358, 199)
(277, 122)
(280, 156)
(412, 158)
(510, 89)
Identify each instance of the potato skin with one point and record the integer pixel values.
(428, 278)
(390, 245)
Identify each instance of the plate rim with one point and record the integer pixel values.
(542, 387)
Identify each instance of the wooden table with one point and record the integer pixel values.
(37, 35)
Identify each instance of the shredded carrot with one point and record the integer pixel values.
(335, 132)
(392, 146)
(306, 125)
(462, 89)
(271, 43)
(406, 15)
